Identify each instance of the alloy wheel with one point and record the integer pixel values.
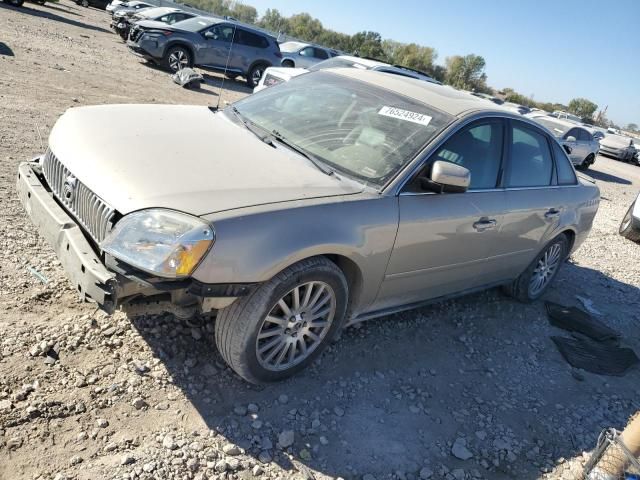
(178, 60)
(545, 269)
(295, 326)
(256, 75)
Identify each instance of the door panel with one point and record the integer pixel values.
(525, 228)
(438, 251)
(215, 51)
(533, 205)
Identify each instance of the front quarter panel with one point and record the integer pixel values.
(254, 244)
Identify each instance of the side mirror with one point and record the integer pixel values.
(567, 149)
(447, 177)
(209, 35)
(571, 138)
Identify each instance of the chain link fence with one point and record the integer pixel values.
(612, 460)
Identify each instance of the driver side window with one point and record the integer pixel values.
(222, 33)
(477, 148)
(307, 52)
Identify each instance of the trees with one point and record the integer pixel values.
(305, 27)
(466, 72)
(410, 55)
(632, 127)
(367, 44)
(582, 107)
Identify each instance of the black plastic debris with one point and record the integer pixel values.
(573, 319)
(596, 357)
(188, 78)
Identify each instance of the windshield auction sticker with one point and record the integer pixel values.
(405, 115)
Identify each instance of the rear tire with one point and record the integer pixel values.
(15, 3)
(288, 64)
(85, 3)
(176, 58)
(627, 227)
(255, 74)
(255, 334)
(535, 280)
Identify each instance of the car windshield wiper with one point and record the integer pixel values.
(259, 132)
(309, 156)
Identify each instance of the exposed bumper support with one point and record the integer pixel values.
(83, 267)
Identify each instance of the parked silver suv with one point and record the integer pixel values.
(221, 45)
(339, 196)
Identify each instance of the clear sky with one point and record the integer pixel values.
(554, 49)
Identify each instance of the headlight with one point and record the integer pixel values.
(162, 242)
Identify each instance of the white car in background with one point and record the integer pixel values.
(566, 116)
(298, 54)
(619, 147)
(274, 75)
(580, 142)
(113, 5)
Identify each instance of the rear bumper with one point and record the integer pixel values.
(84, 269)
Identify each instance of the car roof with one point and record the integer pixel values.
(159, 11)
(442, 97)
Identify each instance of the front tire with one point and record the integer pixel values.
(284, 324)
(16, 3)
(255, 74)
(176, 58)
(587, 162)
(288, 64)
(535, 280)
(627, 228)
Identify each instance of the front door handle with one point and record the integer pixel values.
(485, 224)
(552, 213)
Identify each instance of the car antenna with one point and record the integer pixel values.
(233, 37)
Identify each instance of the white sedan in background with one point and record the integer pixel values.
(274, 75)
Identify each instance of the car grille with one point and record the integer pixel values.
(93, 213)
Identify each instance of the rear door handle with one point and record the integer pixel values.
(485, 224)
(552, 213)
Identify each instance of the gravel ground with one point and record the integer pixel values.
(472, 388)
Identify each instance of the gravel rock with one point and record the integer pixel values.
(169, 443)
(102, 423)
(127, 459)
(425, 473)
(460, 450)
(231, 449)
(286, 438)
(138, 403)
(75, 460)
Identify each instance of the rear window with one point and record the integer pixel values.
(531, 163)
(566, 174)
(243, 37)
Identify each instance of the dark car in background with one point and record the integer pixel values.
(101, 4)
(226, 46)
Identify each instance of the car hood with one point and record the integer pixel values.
(185, 158)
(615, 141)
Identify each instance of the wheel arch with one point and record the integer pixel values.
(183, 44)
(571, 238)
(354, 276)
(267, 63)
